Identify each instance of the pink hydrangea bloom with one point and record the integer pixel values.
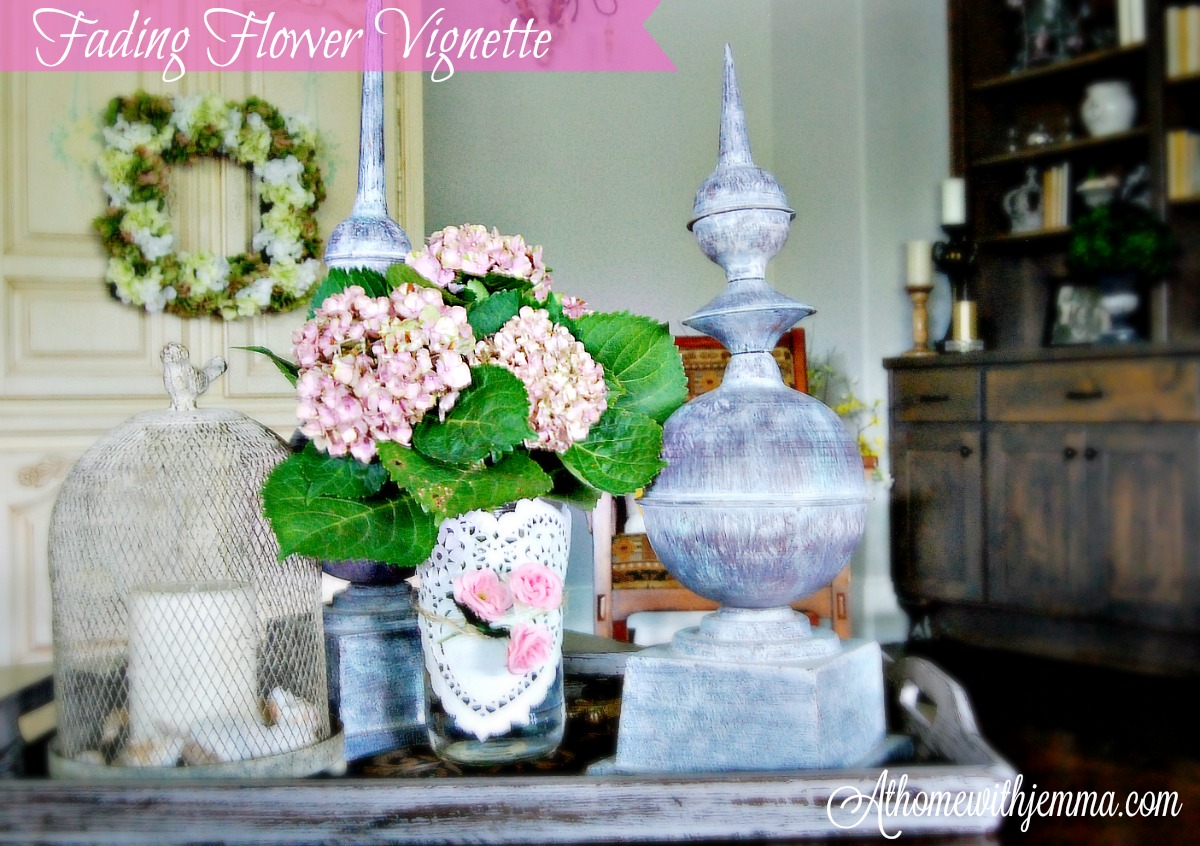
(529, 648)
(536, 585)
(566, 386)
(483, 593)
(474, 250)
(372, 367)
(575, 307)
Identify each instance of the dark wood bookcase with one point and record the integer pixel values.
(995, 107)
(1048, 499)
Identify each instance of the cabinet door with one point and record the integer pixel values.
(936, 512)
(1038, 519)
(1144, 492)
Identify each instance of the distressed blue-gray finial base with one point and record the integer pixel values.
(751, 690)
(375, 668)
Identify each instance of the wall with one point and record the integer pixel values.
(846, 104)
(907, 155)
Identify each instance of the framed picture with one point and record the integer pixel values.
(1075, 315)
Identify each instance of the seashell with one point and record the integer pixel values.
(114, 726)
(287, 709)
(162, 751)
(194, 755)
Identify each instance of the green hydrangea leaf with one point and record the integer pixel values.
(554, 308)
(488, 315)
(394, 530)
(620, 454)
(400, 274)
(339, 279)
(638, 356)
(343, 477)
(500, 282)
(473, 289)
(567, 486)
(490, 417)
(289, 369)
(446, 490)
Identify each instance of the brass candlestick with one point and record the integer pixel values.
(920, 319)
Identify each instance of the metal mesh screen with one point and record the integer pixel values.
(180, 638)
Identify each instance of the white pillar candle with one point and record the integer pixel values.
(954, 201)
(192, 656)
(920, 265)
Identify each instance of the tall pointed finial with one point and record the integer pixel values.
(741, 219)
(734, 147)
(736, 183)
(369, 237)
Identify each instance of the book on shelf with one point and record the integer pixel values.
(1131, 22)
(1183, 164)
(1181, 35)
(1056, 196)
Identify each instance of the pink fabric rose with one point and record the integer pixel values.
(529, 647)
(536, 585)
(483, 593)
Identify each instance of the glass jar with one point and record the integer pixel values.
(491, 619)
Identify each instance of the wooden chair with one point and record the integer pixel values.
(628, 577)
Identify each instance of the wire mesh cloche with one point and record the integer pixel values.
(182, 643)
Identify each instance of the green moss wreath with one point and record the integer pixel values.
(144, 137)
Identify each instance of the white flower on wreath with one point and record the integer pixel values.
(296, 280)
(201, 110)
(231, 128)
(281, 182)
(149, 228)
(301, 128)
(146, 291)
(254, 297)
(127, 137)
(279, 237)
(204, 273)
(115, 167)
(254, 141)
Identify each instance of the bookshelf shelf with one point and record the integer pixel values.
(1062, 148)
(1088, 64)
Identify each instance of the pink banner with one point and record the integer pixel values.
(441, 37)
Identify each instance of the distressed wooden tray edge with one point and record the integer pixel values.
(543, 809)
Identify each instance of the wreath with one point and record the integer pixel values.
(144, 136)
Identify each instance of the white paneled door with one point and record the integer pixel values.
(74, 362)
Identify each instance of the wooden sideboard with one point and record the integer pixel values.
(1049, 501)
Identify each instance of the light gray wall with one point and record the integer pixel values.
(906, 131)
(846, 103)
(601, 168)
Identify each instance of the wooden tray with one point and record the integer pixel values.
(946, 755)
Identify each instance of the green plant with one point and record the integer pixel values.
(1121, 238)
(833, 387)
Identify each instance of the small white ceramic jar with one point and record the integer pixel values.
(1109, 107)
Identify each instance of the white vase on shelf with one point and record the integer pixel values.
(1108, 108)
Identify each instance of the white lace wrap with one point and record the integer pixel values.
(466, 669)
